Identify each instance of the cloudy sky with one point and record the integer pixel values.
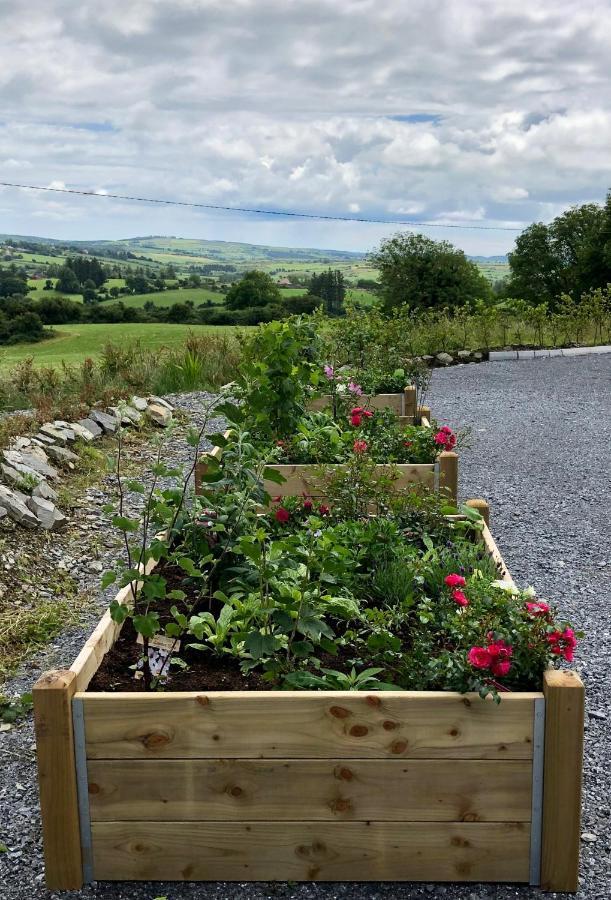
(445, 111)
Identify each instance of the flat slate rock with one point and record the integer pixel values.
(92, 427)
(160, 401)
(17, 459)
(159, 415)
(45, 491)
(15, 504)
(81, 432)
(47, 513)
(107, 423)
(139, 403)
(63, 455)
(57, 435)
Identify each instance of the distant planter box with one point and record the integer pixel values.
(304, 479)
(404, 404)
(306, 785)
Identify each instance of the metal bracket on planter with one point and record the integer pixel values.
(80, 755)
(537, 790)
(437, 476)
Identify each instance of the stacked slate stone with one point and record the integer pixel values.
(32, 465)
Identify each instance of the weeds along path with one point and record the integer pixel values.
(541, 433)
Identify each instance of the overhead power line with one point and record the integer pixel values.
(263, 212)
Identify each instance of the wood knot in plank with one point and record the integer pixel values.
(389, 725)
(339, 712)
(340, 805)
(202, 700)
(93, 788)
(372, 700)
(155, 739)
(398, 747)
(343, 773)
(359, 730)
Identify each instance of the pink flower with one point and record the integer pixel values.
(446, 438)
(440, 438)
(446, 429)
(355, 420)
(356, 410)
(479, 657)
(329, 372)
(537, 608)
(407, 443)
(367, 413)
(359, 446)
(355, 389)
(455, 580)
(308, 505)
(459, 598)
(282, 514)
(499, 669)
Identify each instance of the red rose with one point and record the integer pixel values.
(459, 598)
(368, 413)
(537, 608)
(356, 411)
(440, 438)
(455, 580)
(282, 514)
(359, 446)
(308, 505)
(355, 420)
(323, 510)
(479, 657)
(501, 668)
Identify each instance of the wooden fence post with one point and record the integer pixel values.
(564, 716)
(482, 507)
(53, 694)
(423, 412)
(410, 402)
(200, 470)
(448, 475)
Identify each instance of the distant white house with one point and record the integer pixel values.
(284, 282)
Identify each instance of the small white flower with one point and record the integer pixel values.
(506, 586)
(341, 388)
(530, 592)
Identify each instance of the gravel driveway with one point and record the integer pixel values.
(541, 456)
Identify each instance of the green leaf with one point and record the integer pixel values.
(118, 612)
(125, 524)
(218, 439)
(273, 475)
(188, 566)
(147, 625)
(108, 578)
(4, 849)
(136, 486)
(259, 645)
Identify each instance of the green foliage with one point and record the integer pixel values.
(13, 709)
(571, 255)
(330, 286)
(422, 273)
(254, 289)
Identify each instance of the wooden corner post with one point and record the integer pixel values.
(448, 475)
(482, 507)
(53, 694)
(423, 412)
(564, 717)
(410, 401)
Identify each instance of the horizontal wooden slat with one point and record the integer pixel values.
(376, 401)
(299, 851)
(306, 479)
(431, 790)
(303, 724)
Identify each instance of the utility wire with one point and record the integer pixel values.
(263, 212)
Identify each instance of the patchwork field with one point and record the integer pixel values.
(74, 343)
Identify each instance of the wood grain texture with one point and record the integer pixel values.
(396, 402)
(307, 724)
(494, 552)
(564, 719)
(319, 851)
(427, 790)
(306, 479)
(448, 475)
(53, 694)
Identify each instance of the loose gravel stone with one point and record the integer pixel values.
(541, 433)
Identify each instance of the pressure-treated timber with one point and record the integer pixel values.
(494, 552)
(434, 790)
(53, 694)
(410, 401)
(564, 719)
(396, 402)
(448, 475)
(300, 724)
(318, 851)
(482, 507)
(306, 479)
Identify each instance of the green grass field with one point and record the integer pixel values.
(76, 342)
(168, 298)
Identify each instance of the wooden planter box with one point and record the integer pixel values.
(330, 786)
(404, 404)
(304, 478)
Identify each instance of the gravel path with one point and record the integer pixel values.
(540, 455)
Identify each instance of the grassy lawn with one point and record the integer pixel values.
(168, 298)
(76, 342)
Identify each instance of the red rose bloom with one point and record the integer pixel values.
(460, 598)
(282, 514)
(537, 608)
(323, 510)
(355, 420)
(308, 505)
(455, 580)
(479, 657)
(359, 446)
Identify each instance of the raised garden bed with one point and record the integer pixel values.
(403, 404)
(307, 785)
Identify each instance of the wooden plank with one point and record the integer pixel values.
(410, 401)
(306, 479)
(428, 790)
(482, 507)
(495, 554)
(53, 694)
(396, 402)
(564, 719)
(319, 851)
(306, 724)
(102, 638)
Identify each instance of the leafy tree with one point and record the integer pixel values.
(89, 292)
(68, 283)
(422, 273)
(254, 289)
(331, 287)
(87, 269)
(571, 255)
(26, 327)
(58, 310)
(12, 282)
